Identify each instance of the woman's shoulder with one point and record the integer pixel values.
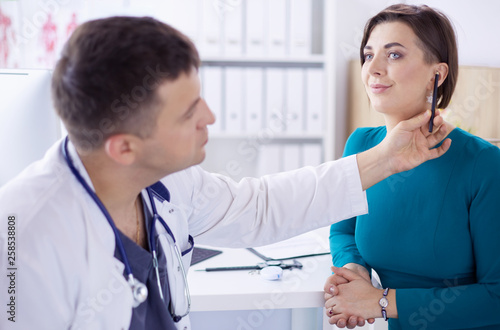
(364, 138)
(479, 153)
(473, 143)
(368, 133)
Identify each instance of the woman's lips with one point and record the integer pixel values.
(379, 88)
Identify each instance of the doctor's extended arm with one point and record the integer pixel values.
(279, 206)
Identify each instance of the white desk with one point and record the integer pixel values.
(299, 289)
(298, 296)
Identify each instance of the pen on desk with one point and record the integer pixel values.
(215, 269)
(434, 99)
(259, 266)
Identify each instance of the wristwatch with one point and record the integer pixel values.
(383, 302)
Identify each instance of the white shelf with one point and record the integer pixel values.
(265, 148)
(281, 136)
(307, 61)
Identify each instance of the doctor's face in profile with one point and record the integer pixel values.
(181, 133)
(395, 74)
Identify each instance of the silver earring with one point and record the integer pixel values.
(429, 98)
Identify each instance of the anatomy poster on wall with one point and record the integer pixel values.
(10, 53)
(32, 33)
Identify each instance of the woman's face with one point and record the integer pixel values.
(395, 75)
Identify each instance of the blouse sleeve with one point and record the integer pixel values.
(478, 304)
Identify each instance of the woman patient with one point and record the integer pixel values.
(432, 234)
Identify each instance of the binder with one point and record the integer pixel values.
(275, 119)
(292, 158)
(300, 28)
(311, 154)
(315, 108)
(211, 77)
(212, 30)
(255, 28)
(269, 159)
(185, 15)
(295, 101)
(233, 30)
(277, 27)
(233, 106)
(253, 99)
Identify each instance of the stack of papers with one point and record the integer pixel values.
(313, 242)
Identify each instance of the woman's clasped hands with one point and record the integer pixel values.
(350, 298)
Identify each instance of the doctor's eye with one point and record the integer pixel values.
(368, 56)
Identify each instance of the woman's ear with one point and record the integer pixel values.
(122, 148)
(442, 69)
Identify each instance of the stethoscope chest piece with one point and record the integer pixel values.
(139, 291)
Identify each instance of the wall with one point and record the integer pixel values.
(476, 24)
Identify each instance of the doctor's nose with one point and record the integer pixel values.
(209, 117)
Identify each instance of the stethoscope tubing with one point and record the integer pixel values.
(128, 270)
(93, 195)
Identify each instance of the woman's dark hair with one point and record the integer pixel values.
(106, 79)
(436, 37)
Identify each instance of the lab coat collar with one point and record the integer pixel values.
(77, 162)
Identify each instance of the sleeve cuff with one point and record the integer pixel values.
(354, 189)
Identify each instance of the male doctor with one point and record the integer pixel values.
(104, 223)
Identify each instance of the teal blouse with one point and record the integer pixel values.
(432, 233)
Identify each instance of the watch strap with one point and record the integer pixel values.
(384, 298)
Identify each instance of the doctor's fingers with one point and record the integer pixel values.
(437, 122)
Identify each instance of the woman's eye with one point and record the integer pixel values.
(394, 56)
(368, 57)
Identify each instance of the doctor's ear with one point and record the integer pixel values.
(122, 148)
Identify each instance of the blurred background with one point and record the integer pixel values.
(281, 76)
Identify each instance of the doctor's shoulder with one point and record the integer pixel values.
(39, 194)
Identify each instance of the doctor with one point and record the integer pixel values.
(104, 224)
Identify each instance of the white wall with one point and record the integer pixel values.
(476, 24)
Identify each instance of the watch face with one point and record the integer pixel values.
(383, 302)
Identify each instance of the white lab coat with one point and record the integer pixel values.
(67, 276)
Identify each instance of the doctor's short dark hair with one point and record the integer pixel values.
(106, 80)
(436, 38)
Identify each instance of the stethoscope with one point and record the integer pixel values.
(139, 290)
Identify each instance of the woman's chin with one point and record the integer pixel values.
(382, 110)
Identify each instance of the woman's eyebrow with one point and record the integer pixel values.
(389, 45)
(392, 44)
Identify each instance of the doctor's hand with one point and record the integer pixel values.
(354, 299)
(406, 146)
(331, 289)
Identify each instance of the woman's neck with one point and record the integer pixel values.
(392, 121)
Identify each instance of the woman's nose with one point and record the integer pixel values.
(376, 66)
